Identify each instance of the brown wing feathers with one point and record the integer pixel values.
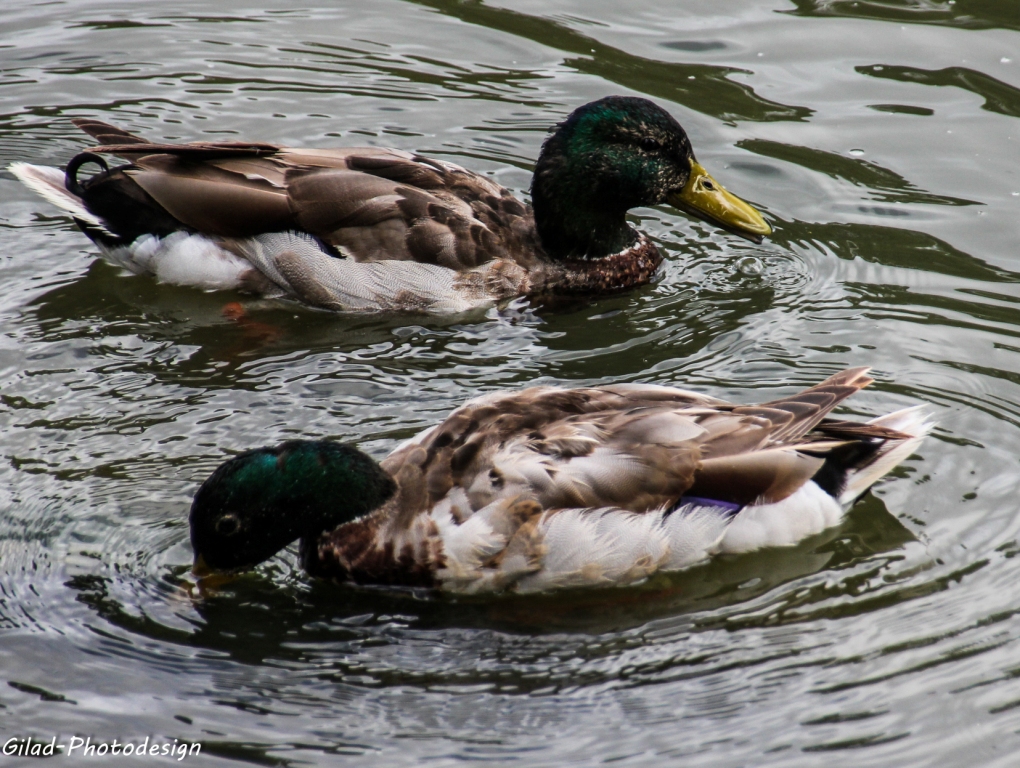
(116, 141)
(105, 133)
(373, 203)
(211, 200)
(795, 416)
(762, 476)
(738, 470)
(738, 454)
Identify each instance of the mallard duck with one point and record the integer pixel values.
(373, 229)
(547, 488)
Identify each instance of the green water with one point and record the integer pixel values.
(880, 138)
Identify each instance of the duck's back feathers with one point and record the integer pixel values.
(634, 447)
(548, 487)
(369, 203)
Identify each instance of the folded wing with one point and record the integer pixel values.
(366, 203)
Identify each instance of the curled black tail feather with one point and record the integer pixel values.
(71, 174)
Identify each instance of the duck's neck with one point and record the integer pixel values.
(579, 213)
(369, 551)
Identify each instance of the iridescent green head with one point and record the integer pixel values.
(257, 503)
(615, 154)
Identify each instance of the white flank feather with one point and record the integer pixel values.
(586, 547)
(580, 551)
(297, 263)
(693, 532)
(467, 544)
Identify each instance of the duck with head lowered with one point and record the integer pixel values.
(368, 229)
(547, 488)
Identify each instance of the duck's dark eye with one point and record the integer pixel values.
(650, 145)
(228, 525)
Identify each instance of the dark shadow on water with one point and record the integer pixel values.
(963, 14)
(710, 92)
(999, 97)
(888, 186)
(903, 109)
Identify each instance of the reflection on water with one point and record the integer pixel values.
(877, 182)
(999, 96)
(889, 640)
(964, 14)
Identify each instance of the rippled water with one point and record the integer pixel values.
(882, 139)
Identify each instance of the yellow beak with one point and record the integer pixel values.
(200, 568)
(208, 579)
(704, 197)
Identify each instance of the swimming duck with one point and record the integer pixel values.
(368, 229)
(547, 488)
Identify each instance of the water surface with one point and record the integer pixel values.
(881, 139)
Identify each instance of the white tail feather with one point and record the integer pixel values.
(49, 183)
(914, 421)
